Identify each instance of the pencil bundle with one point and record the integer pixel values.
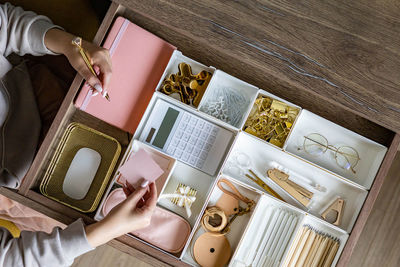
(312, 248)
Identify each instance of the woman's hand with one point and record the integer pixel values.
(60, 42)
(132, 214)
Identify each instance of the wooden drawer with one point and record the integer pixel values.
(193, 43)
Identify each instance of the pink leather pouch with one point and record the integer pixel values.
(167, 230)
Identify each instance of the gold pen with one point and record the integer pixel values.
(77, 41)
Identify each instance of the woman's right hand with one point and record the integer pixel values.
(133, 213)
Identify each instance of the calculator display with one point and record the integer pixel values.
(165, 128)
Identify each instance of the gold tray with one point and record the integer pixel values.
(75, 137)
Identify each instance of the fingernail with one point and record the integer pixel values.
(98, 87)
(144, 184)
(104, 93)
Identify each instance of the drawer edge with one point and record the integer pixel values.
(369, 202)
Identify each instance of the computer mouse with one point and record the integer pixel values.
(81, 173)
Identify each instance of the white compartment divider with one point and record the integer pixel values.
(319, 175)
(371, 153)
(322, 227)
(260, 233)
(223, 80)
(166, 162)
(236, 232)
(262, 157)
(172, 68)
(262, 92)
(194, 178)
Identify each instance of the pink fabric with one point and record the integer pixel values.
(167, 230)
(139, 59)
(26, 219)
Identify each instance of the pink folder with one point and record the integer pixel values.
(139, 59)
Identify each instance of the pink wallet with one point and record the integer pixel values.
(167, 230)
(139, 59)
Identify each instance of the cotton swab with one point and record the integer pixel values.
(286, 239)
(263, 224)
(272, 236)
(275, 237)
(267, 236)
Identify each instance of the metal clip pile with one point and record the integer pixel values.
(225, 103)
(271, 120)
(188, 86)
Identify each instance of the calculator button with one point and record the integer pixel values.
(182, 126)
(196, 152)
(203, 135)
(185, 156)
(186, 118)
(214, 131)
(207, 147)
(186, 137)
(192, 140)
(189, 129)
(189, 148)
(193, 121)
(182, 145)
(200, 144)
(178, 134)
(207, 127)
(171, 150)
(200, 124)
(192, 160)
(200, 163)
(178, 153)
(175, 142)
(211, 139)
(203, 155)
(197, 132)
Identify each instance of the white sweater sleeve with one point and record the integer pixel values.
(31, 249)
(22, 32)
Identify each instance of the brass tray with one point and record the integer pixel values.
(75, 137)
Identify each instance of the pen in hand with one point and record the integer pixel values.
(78, 43)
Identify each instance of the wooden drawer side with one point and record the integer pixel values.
(369, 202)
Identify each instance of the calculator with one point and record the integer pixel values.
(186, 137)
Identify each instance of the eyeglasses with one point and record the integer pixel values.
(346, 157)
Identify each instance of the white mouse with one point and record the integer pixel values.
(81, 173)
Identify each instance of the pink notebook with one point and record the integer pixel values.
(139, 59)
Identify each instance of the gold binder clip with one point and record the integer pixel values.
(298, 192)
(189, 86)
(336, 207)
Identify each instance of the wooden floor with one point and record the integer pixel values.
(379, 244)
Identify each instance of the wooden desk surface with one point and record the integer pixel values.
(344, 54)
